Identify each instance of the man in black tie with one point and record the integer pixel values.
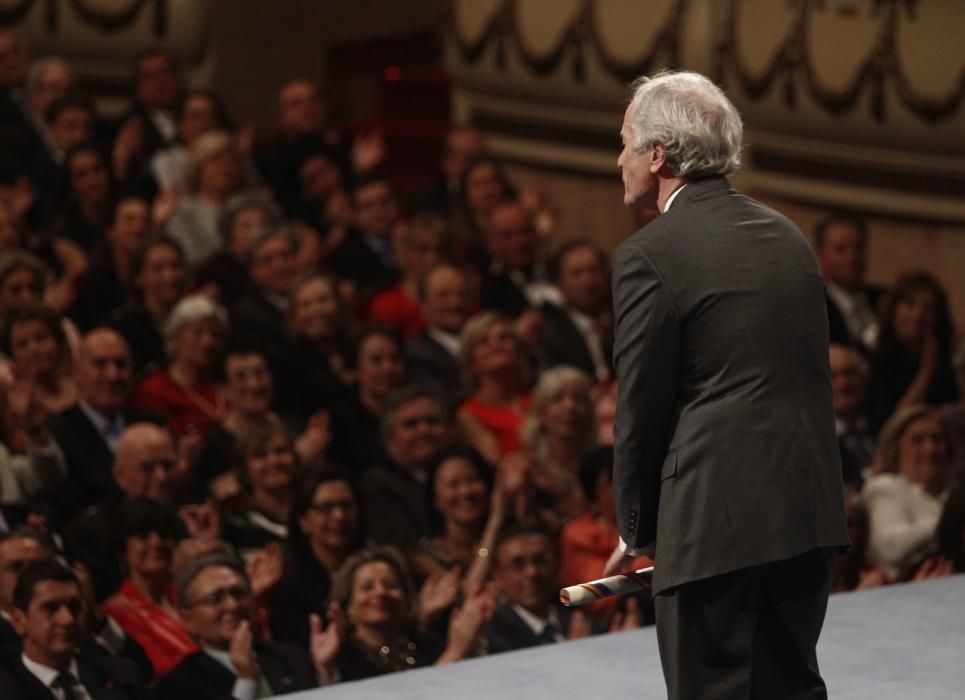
(48, 613)
(527, 575)
(841, 241)
(88, 431)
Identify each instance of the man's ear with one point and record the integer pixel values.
(658, 158)
(19, 621)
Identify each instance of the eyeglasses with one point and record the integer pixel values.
(329, 507)
(217, 598)
(545, 560)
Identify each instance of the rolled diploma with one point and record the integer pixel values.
(621, 584)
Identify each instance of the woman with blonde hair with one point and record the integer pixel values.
(560, 429)
(216, 170)
(497, 371)
(905, 498)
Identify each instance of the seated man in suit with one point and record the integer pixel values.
(102, 635)
(143, 467)
(217, 607)
(515, 281)
(365, 254)
(48, 613)
(88, 431)
(270, 261)
(841, 242)
(415, 428)
(578, 332)
(856, 436)
(527, 574)
(432, 357)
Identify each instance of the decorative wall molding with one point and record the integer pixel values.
(792, 71)
(581, 34)
(122, 15)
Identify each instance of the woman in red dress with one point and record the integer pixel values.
(497, 369)
(185, 392)
(145, 606)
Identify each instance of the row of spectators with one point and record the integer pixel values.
(269, 424)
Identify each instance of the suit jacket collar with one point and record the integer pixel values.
(699, 188)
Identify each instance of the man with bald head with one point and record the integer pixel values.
(88, 432)
(432, 357)
(516, 279)
(145, 465)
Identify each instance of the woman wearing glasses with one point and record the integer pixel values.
(323, 530)
(145, 605)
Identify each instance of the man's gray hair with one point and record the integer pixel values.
(691, 118)
(405, 395)
(185, 577)
(40, 66)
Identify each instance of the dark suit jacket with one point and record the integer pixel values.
(837, 328)
(131, 660)
(394, 506)
(427, 362)
(200, 677)
(89, 458)
(725, 454)
(103, 677)
(507, 631)
(561, 343)
(498, 292)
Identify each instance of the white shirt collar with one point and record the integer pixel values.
(447, 340)
(536, 624)
(222, 657)
(46, 674)
(672, 197)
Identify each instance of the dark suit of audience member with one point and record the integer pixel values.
(562, 343)
(129, 654)
(103, 678)
(429, 362)
(355, 259)
(89, 456)
(837, 323)
(508, 631)
(504, 291)
(200, 676)
(394, 506)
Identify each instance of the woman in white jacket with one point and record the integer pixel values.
(905, 499)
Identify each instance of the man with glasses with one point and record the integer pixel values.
(48, 613)
(217, 606)
(145, 466)
(527, 574)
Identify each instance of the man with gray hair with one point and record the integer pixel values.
(726, 464)
(217, 607)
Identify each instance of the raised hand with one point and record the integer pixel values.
(264, 568)
(241, 653)
(325, 643)
(439, 592)
(202, 521)
(367, 151)
(467, 622)
(315, 438)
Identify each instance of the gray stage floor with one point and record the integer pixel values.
(896, 642)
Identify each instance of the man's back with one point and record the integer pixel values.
(735, 395)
